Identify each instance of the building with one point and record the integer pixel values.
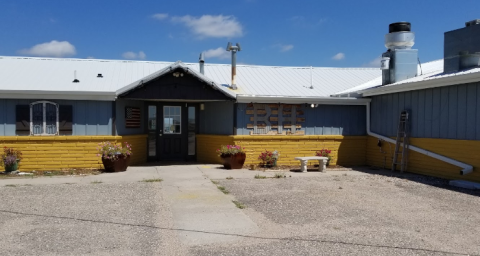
(443, 101)
(57, 110)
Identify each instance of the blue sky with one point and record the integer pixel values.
(337, 33)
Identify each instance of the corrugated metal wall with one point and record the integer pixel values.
(89, 117)
(322, 120)
(451, 112)
(217, 118)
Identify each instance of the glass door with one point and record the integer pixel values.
(152, 132)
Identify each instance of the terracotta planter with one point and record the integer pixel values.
(120, 165)
(233, 161)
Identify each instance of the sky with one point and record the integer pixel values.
(318, 33)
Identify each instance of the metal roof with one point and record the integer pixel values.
(27, 75)
(427, 70)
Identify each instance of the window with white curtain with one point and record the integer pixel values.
(44, 118)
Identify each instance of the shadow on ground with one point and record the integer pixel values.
(423, 179)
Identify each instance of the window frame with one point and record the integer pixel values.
(44, 113)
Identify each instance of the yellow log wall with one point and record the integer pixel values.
(467, 151)
(61, 152)
(207, 146)
(346, 150)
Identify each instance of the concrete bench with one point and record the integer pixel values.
(322, 162)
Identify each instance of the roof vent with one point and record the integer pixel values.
(399, 62)
(100, 76)
(472, 23)
(234, 49)
(75, 80)
(399, 36)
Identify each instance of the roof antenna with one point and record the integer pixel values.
(75, 80)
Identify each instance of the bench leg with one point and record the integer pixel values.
(322, 165)
(304, 165)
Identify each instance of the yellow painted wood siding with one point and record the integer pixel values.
(139, 148)
(207, 146)
(467, 151)
(61, 152)
(346, 150)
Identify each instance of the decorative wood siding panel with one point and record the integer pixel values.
(120, 105)
(217, 118)
(466, 151)
(451, 112)
(89, 117)
(322, 120)
(60, 152)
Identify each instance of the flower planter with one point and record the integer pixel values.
(119, 165)
(234, 161)
(13, 167)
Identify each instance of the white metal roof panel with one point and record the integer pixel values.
(428, 69)
(26, 74)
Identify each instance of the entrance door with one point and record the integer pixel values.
(172, 134)
(172, 128)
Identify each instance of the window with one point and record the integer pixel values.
(44, 118)
(172, 120)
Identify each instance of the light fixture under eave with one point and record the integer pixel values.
(100, 76)
(177, 74)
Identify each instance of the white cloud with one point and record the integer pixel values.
(283, 47)
(51, 49)
(375, 63)
(160, 16)
(211, 26)
(219, 53)
(134, 56)
(339, 56)
(90, 57)
(286, 48)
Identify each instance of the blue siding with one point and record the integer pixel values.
(322, 120)
(120, 105)
(217, 118)
(451, 112)
(89, 117)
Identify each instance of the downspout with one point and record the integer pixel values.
(466, 169)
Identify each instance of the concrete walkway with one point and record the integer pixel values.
(198, 205)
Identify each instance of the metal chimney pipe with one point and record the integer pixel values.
(201, 62)
(234, 49)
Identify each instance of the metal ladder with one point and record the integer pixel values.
(401, 143)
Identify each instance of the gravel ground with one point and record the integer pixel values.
(344, 214)
(355, 215)
(95, 219)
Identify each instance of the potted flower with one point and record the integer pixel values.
(233, 156)
(269, 159)
(325, 153)
(10, 159)
(115, 158)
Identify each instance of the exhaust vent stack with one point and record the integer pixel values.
(399, 62)
(201, 62)
(234, 49)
